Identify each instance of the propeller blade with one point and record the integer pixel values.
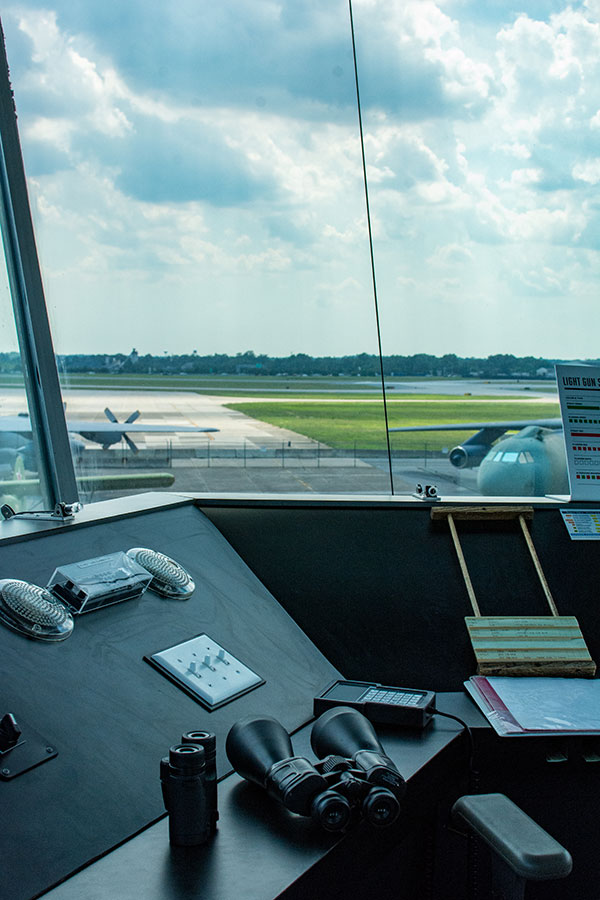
(134, 415)
(130, 443)
(111, 416)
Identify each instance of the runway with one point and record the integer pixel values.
(164, 408)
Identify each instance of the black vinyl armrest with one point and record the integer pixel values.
(526, 848)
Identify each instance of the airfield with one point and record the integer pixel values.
(246, 455)
(249, 455)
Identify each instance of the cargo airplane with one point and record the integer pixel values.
(530, 463)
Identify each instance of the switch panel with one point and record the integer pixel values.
(206, 671)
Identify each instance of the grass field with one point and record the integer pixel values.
(340, 412)
(340, 424)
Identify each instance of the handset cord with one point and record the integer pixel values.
(473, 772)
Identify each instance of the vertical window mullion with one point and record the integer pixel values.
(46, 412)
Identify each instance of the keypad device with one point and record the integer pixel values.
(397, 697)
(383, 704)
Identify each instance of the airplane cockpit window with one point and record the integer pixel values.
(258, 284)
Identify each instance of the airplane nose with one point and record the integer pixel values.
(497, 479)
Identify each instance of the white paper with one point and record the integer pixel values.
(579, 395)
(551, 704)
(582, 524)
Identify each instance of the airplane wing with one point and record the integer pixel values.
(509, 425)
(111, 427)
(22, 425)
(473, 450)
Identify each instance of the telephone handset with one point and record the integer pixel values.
(33, 611)
(169, 578)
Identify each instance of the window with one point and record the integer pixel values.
(197, 188)
(481, 125)
(197, 191)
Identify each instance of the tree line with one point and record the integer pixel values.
(499, 365)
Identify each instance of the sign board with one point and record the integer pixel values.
(579, 395)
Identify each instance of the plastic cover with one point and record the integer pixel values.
(33, 611)
(169, 578)
(101, 581)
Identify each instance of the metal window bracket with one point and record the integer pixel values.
(426, 492)
(62, 512)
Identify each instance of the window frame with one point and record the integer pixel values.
(46, 411)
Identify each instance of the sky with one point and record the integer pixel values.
(196, 181)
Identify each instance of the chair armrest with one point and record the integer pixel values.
(523, 844)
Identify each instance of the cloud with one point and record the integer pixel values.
(183, 162)
(451, 254)
(275, 55)
(218, 147)
(587, 170)
(550, 72)
(543, 281)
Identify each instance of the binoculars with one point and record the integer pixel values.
(353, 778)
(188, 778)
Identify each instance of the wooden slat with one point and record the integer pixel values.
(541, 645)
(463, 566)
(500, 655)
(538, 566)
(525, 669)
(476, 513)
(544, 622)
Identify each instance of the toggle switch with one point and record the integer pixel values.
(9, 732)
(217, 679)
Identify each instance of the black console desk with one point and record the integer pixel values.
(309, 592)
(261, 851)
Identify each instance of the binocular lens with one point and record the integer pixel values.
(191, 737)
(380, 807)
(187, 757)
(255, 744)
(331, 810)
(343, 731)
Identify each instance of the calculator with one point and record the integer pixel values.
(380, 703)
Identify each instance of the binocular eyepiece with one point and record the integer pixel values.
(353, 777)
(189, 786)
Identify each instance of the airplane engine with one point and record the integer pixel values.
(467, 456)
